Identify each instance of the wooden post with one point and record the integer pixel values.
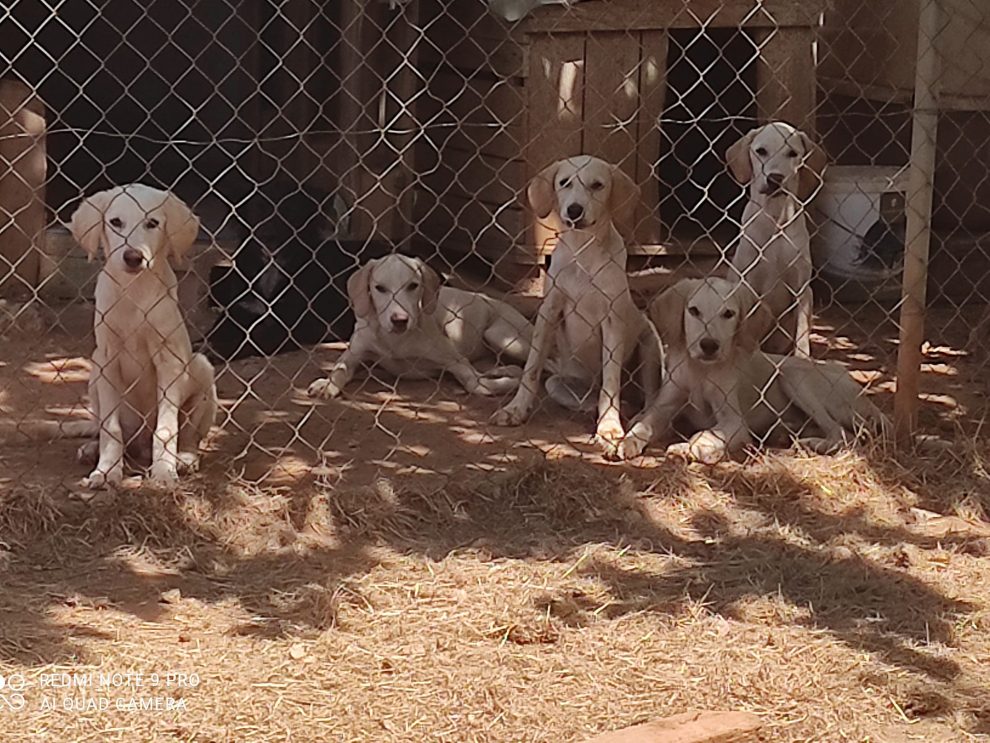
(919, 217)
(555, 110)
(23, 168)
(652, 92)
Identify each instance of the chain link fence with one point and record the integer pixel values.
(310, 138)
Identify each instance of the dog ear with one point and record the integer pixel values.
(737, 158)
(87, 222)
(810, 175)
(755, 321)
(623, 200)
(181, 226)
(358, 290)
(667, 311)
(541, 193)
(431, 288)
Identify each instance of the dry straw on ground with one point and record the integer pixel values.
(544, 603)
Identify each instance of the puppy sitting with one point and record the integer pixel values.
(733, 391)
(415, 328)
(781, 167)
(588, 313)
(149, 393)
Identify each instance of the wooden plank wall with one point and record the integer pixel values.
(472, 119)
(602, 94)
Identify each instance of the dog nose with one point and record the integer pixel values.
(709, 346)
(575, 211)
(133, 258)
(399, 322)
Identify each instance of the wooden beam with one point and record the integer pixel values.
(652, 98)
(555, 110)
(23, 168)
(640, 15)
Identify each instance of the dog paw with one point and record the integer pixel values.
(163, 475)
(510, 415)
(324, 389)
(705, 447)
(188, 462)
(633, 444)
(99, 479)
(608, 436)
(493, 386)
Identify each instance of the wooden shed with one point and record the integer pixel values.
(661, 87)
(429, 116)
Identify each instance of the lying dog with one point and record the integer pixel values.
(415, 328)
(150, 394)
(588, 313)
(781, 167)
(735, 392)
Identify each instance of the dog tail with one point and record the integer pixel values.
(47, 430)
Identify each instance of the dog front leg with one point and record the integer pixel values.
(171, 380)
(651, 364)
(547, 320)
(655, 421)
(343, 370)
(802, 337)
(609, 431)
(106, 386)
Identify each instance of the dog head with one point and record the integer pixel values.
(711, 319)
(777, 159)
(585, 192)
(394, 292)
(137, 226)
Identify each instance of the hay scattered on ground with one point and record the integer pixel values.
(838, 598)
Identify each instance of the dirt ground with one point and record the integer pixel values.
(387, 567)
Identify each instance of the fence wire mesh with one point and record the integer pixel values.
(245, 237)
(312, 140)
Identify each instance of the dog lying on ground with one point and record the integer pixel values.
(413, 327)
(287, 286)
(151, 396)
(588, 313)
(732, 391)
(781, 167)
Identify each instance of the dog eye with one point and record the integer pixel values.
(116, 222)
(597, 186)
(151, 224)
(792, 153)
(564, 182)
(728, 314)
(694, 312)
(380, 289)
(761, 151)
(413, 286)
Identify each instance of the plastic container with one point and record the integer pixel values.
(858, 244)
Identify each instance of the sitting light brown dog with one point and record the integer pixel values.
(149, 392)
(588, 314)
